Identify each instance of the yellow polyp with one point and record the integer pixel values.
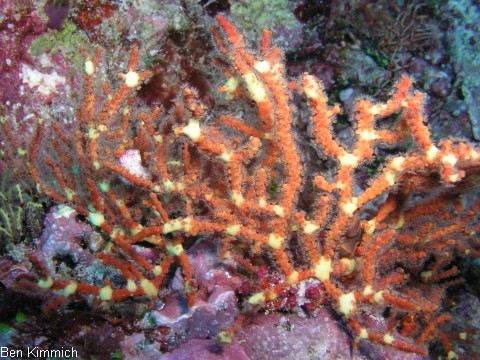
(347, 303)
(229, 88)
(131, 286)
(462, 335)
(363, 333)
(279, 210)
(89, 67)
(69, 193)
(376, 109)
(449, 159)
(378, 297)
(432, 153)
(136, 229)
(348, 160)
(233, 230)
(21, 151)
(168, 185)
(158, 138)
(350, 265)
(106, 293)
(426, 275)
(174, 163)
(192, 130)
(390, 178)
(132, 79)
(368, 135)
(174, 250)
(187, 224)
(171, 226)
(93, 133)
(323, 269)
(104, 186)
(96, 219)
(70, 289)
(257, 298)
(225, 157)
(370, 227)
(311, 87)
(388, 338)
(368, 290)
(102, 128)
(310, 228)
(275, 241)
(64, 211)
(108, 248)
(397, 163)
(452, 355)
(262, 66)
(148, 288)
(340, 185)
(349, 207)
(262, 202)
(454, 178)
(237, 199)
(117, 231)
(255, 88)
(157, 270)
(225, 337)
(293, 278)
(45, 284)
(400, 222)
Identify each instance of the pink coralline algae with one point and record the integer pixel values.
(62, 237)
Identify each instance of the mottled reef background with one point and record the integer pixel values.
(355, 47)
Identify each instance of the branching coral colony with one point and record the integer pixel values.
(195, 178)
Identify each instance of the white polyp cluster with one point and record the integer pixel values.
(131, 161)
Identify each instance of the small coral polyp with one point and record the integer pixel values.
(146, 178)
